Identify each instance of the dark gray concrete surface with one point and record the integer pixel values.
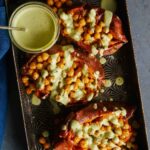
(14, 138)
(139, 11)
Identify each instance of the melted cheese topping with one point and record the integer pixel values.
(105, 40)
(92, 17)
(68, 21)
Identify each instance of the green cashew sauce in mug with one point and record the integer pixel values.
(41, 27)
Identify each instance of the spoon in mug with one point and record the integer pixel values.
(12, 28)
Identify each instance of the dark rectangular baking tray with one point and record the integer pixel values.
(122, 63)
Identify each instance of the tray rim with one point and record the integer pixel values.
(29, 145)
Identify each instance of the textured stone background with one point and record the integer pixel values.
(139, 12)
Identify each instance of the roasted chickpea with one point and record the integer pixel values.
(28, 91)
(97, 36)
(72, 95)
(82, 22)
(105, 29)
(75, 17)
(45, 64)
(69, 80)
(110, 36)
(80, 29)
(75, 87)
(49, 60)
(26, 84)
(126, 126)
(90, 70)
(30, 71)
(125, 134)
(61, 65)
(86, 80)
(55, 9)
(46, 146)
(91, 80)
(50, 2)
(33, 65)
(61, 54)
(32, 86)
(103, 128)
(39, 66)
(96, 133)
(67, 88)
(58, 4)
(45, 56)
(116, 148)
(121, 122)
(25, 79)
(39, 59)
(108, 128)
(65, 31)
(98, 29)
(79, 74)
(71, 72)
(46, 82)
(104, 148)
(75, 65)
(83, 144)
(86, 42)
(78, 82)
(76, 24)
(42, 140)
(88, 20)
(35, 76)
(51, 78)
(100, 42)
(48, 88)
(87, 37)
(102, 24)
(58, 59)
(76, 140)
(57, 97)
(103, 143)
(87, 85)
(90, 31)
(118, 131)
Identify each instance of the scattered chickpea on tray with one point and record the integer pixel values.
(57, 4)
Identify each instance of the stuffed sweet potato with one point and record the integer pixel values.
(64, 75)
(97, 31)
(100, 126)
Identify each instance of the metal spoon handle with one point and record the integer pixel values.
(12, 28)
